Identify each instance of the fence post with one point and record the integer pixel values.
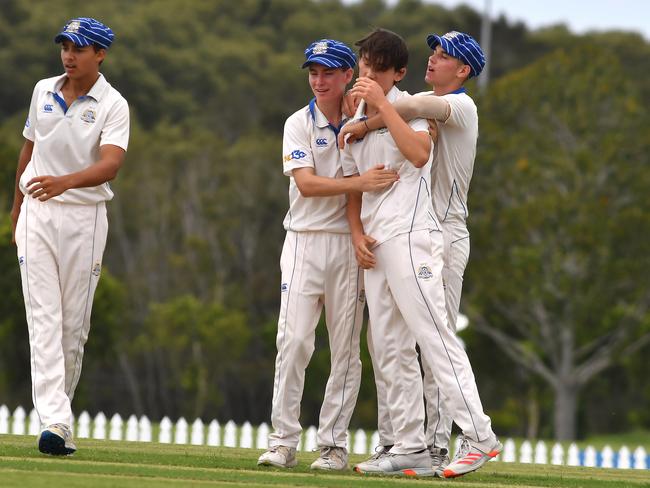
(246, 435)
(262, 436)
(116, 427)
(198, 433)
(18, 421)
(144, 429)
(34, 423)
(99, 427)
(214, 434)
(165, 434)
(132, 428)
(180, 434)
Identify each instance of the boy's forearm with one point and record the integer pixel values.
(414, 148)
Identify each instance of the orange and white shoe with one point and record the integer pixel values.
(470, 457)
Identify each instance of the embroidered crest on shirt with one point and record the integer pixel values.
(297, 154)
(89, 115)
(424, 272)
(48, 108)
(321, 142)
(97, 268)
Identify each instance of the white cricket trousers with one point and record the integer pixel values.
(318, 269)
(455, 258)
(60, 248)
(406, 303)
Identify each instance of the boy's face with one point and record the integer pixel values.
(443, 69)
(328, 84)
(385, 79)
(80, 62)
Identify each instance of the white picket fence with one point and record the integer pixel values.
(246, 436)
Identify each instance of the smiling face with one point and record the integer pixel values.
(445, 71)
(386, 78)
(80, 62)
(328, 84)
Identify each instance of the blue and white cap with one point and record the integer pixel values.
(84, 31)
(330, 53)
(461, 46)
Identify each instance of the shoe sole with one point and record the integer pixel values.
(324, 468)
(410, 472)
(448, 473)
(277, 465)
(50, 443)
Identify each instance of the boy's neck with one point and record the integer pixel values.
(445, 90)
(331, 111)
(80, 87)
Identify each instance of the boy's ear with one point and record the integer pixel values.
(349, 74)
(399, 75)
(464, 71)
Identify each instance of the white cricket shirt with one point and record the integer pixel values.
(67, 139)
(310, 142)
(406, 205)
(454, 161)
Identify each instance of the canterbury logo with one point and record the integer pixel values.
(321, 142)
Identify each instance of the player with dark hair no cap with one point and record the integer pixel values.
(406, 263)
(76, 136)
(318, 266)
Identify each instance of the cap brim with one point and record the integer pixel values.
(78, 40)
(433, 40)
(328, 62)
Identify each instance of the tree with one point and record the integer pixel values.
(560, 200)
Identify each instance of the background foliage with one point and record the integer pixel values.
(184, 318)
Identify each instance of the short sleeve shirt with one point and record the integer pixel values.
(310, 142)
(67, 139)
(406, 205)
(454, 164)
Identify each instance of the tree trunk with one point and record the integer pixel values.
(566, 404)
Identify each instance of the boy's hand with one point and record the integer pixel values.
(350, 104)
(46, 187)
(356, 130)
(377, 179)
(370, 91)
(362, 245)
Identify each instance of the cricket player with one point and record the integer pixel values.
(455, 58)
(318, 265)
(76, 136)
(399, 241)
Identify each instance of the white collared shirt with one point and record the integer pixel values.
(454, 162)
(67, 139)
(406, 205)
(310, 142)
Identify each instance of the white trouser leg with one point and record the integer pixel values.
(80, 262)
(455, 258)
(300, 309)
(414, 270)
(45, 233)
(344, 303)
(394, 360)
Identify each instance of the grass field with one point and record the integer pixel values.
(134, 464)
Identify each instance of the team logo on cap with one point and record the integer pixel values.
(73, 26)
(451, 35)
(89, 115)
(424, 272)
(320, 47)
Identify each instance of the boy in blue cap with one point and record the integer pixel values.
(76, 136)
(455, 58)
(318, 266)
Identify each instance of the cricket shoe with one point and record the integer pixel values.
(439, 460)
(279, 456)
(470, 457)
(56, 439)
(331, 459)
(369, 464)
(412, 464)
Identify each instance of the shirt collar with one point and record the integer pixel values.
(320, 120)
(96, 92)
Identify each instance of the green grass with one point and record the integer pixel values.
(135, 464)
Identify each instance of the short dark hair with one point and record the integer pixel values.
(383, 49)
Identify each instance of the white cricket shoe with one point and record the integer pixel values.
(369, 464)
(412, 464)
(439, 460)
(470, 457)
(279, 456)
(56, 439)
(331, 459)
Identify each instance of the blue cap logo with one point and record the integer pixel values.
(330, 53)
(461, 46)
